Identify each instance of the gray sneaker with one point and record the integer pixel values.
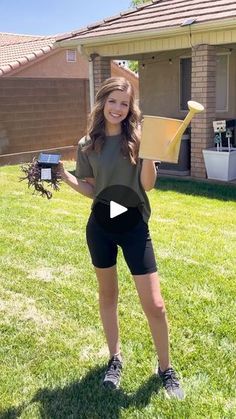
(171, 383)
(113, 373)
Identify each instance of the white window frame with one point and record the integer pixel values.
(68, 52)
(227, 82)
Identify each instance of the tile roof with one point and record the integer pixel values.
(158, 15)
(17, 50)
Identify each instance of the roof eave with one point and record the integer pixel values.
(162, 32)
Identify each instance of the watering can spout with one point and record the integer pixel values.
(161, 137)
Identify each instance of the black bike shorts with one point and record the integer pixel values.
(136, 245)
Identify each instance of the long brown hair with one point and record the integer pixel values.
(130, 125)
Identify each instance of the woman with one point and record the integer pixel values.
(107, 160)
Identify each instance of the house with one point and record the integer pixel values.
(44, 96)
(185, 49)
(36, 57)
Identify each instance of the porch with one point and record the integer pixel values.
(185, 50)
(168, 79)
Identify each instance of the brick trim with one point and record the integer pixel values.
(203, 91)
(101, 71)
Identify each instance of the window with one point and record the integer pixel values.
(71, 55)
(222, 82)
(185, 82)
(222, 61)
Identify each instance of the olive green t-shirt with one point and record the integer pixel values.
(110, 167)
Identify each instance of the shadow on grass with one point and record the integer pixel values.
(224, 192)
(85, 399)
(209, 189)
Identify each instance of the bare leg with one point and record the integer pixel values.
(148, 287)
(108, 299)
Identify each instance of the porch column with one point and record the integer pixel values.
(203, 91)
(101, 71)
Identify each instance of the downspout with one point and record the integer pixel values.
(91, 82)
(90, 59)
(91, 79)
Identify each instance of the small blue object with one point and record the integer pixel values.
(217, 139)
(49, 159)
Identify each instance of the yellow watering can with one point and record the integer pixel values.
(161, 137)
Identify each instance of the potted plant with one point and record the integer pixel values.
(220, 162)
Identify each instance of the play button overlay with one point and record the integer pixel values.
(117, 209)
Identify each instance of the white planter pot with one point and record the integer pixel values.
(220, 165)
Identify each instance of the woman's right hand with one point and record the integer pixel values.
(86, 188)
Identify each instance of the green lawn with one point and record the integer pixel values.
(52, 349)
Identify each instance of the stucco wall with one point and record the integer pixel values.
(55, 65)
(160, 85)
